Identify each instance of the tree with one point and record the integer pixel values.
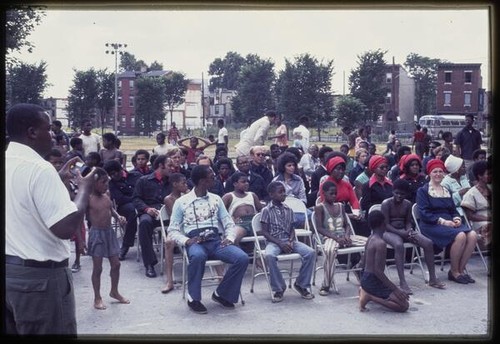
(175, 89)
(20, 21)
(149, 102)
(424, 72)
(255, 89)
(367, 82)
(224, 72)
(304, 89)
(83, 96)
(26, 83)
(156, 66)
(350, 111)
(105, 95)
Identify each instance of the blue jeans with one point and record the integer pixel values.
(306, 270)
(229, 287)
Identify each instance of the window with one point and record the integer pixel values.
(388, 98)
(124, 119)
(120, 84)
(447, 77)
(445, 122)
(131, 84)
(468, 76)
(119, 101)
(388, 78)
(132, 121)
(467, 98)
(131, 101)
(447, 98)
(455, 123)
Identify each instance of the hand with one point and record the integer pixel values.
(153, 212)
(401, 294)
(122, 220)
(226, 242)
(65, 172)
(286, 247)
(457, 222)
(192, 241)
(86, 183)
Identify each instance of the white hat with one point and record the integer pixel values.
(453, 163)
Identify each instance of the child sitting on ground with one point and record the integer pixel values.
(102, 239)
(375, 286)
(277, 227)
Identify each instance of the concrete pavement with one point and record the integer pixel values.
(459, 312)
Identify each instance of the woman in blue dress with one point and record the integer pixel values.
(440, 222)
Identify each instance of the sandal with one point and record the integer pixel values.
(437, 284)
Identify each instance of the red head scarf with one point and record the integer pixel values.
(376, 161)
(435, 163)
(330, 165)
(405, 159)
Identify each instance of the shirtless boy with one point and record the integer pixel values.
(102, 239)
(375, 286)
(110, 152)
(397, 213)
(179, 188)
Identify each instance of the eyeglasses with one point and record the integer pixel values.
(259, 154)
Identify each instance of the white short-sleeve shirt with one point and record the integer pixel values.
(35, 200)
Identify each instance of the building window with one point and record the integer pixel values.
(388, 78)
(132, 121)
(124, 119)
(447, 98)
(447, 77)
(131, 101)
(467, 98)
(131, 84)
(119, 101)
(388, 98)
(468, 76)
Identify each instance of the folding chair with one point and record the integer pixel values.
(210, 263)
(415, 253)
(478, 248)
(299, 207)
(416, 218)
(115, 225)
(358, 247)
(260, 253)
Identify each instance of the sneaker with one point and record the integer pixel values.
(75, 267)
(222, 301)
(197, 307)
(277, 297)
(303, 292)
(324, 291)
(123, 253)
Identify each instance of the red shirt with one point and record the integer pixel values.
(345, 192)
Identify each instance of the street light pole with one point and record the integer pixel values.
(116, 50)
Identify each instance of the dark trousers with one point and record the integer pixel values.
(146, 226)
(128, 210)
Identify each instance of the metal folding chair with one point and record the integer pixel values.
(478, 248)
(299, 207)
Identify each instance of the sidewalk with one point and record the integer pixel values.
(459, 312)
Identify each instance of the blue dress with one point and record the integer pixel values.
(430, 210)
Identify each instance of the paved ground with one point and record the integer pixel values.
(459, 312)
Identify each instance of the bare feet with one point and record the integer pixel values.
(118, 297)
(168, 288)
(437, 284)
(406, 289)
(98, 304)
(363, 300)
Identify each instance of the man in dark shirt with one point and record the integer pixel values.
(258, 164)
(257, 184)
(121, 189)
(316, 176)
(141, 158)
(467, 141)
(149, 192)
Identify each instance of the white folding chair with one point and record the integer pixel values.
(260, 253)
(416, 218)
(416, 258)
(478, 248)
(115, 225)
(299, 207)
(358, 247)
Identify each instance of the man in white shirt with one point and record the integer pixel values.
(222, 136)
(301, 134)
(40, 220)
(91, 141)
(256, 134)
(163, 147)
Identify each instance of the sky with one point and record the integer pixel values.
(188, 41)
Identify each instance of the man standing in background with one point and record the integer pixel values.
(256, 134)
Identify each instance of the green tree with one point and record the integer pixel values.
(156, 66)
(175, 89)
(255, 89)
(224, 72)
(350, 111)
(105, 96)
(83, 96)
(424, 72)
(26, 83)
(149, 102)
(367, 82)
(304, 89)
(20, 21)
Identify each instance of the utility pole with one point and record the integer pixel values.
(203, 100)
(116, 50)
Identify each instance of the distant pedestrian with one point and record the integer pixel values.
(222, 135)
(91, 141)
(173, 135)
(301, 134)
(468, 140)
(255, 134)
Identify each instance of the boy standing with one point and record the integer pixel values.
(102, 239)
(110, 152)
(277, 227)
(375, 286)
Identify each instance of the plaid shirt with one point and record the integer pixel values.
(280, 220)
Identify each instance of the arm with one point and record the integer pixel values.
(207, 143)
(256, 202)
(181, 142)
(227, 199)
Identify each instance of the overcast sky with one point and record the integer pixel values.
(188, 41)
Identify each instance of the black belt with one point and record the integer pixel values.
(50, 264)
